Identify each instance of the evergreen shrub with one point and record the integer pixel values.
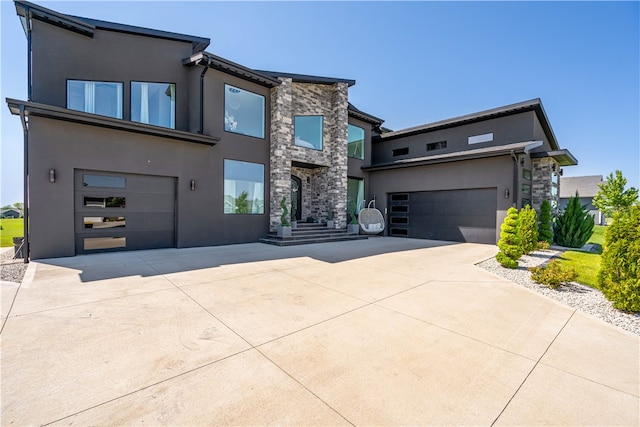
(574, 226)
(544, 228)
(509, 243)
(619, 275)
(553, 275)
(528, 229)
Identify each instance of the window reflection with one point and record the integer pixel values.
(243, 187)
(93, 243)
(355, 148)
(104, 202)
(243, 112)
(308, 131)
(103, 181)
(154, 104)
(103, 98)
(102, 222)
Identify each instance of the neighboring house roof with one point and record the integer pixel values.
(358, 114)
(508, 110)
(304, 78)
(12, 212)
(87, 26)
(478, 153)
(586, 186)
(229, 67)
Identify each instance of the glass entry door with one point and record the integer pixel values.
(296, 198)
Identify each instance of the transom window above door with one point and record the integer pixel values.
(154, 104)
(103, 98)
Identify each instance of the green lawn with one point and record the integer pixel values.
(584, 263)
(10, 228)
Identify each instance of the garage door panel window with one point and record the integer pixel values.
(154, 104)
(104, 202)
(96, 243)
(102, 98)
(243, 187)
(244, 112)
(104, 222)
(103, 181)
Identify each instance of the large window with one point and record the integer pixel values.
(103, 98)
(308, 131)
(355, 148)
(243, 187)
(154, 104)
(243, 112)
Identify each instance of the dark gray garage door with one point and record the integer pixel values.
(123, 211)
(456, 215)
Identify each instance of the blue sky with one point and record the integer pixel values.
(414, 62)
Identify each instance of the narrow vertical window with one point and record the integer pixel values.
(355, 148)
(154, 104)
(103, 98)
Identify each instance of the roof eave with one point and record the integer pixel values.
(563, 157)
(304, 78)
(58, 113)
(54, 18)
(229, 67)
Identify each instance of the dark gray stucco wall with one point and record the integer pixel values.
(480, 173)
(65, 146)
(506, 130)
(59, 55)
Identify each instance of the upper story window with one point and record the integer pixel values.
(308, 131)
(355, 148)
(103, 98)
(400, 151)
(243, 112)
(436, 145)
(477, 139)
(154, 104)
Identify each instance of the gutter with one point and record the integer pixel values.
(514, 193)
(206, 67)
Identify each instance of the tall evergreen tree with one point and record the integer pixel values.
(544, 228)
(574, 226)
(528, 229)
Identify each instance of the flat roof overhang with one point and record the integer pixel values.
(480, 153)
(563, 157)
(57, 113)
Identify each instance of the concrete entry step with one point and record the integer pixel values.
(311, 233)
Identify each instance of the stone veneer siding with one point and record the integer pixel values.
(324, 186)
(542, 182)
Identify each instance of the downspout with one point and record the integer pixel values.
(515, 179)
(206, 67)
(25, 130)
(27, 19)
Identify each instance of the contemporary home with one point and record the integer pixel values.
(586, 187)
(139, 138)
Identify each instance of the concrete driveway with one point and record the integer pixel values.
(385, 331)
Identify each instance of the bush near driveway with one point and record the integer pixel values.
(619, 276)
(10, 228)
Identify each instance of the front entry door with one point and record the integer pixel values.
(296, 197)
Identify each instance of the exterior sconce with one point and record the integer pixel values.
(52, 175)
(561, 171)
(522, 161)
(553, 167)
(506, 193)
(192, 185)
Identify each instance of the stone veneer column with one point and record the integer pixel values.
(337, 173)
(281, 141)
(541, 182)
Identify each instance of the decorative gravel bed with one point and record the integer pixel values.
(583, 298)
(11, 270)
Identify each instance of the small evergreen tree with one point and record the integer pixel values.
(544, 228)
(509, 243)
(528, 229)
(619, 275)
(285, 212)
(242, 204)
(574, 226)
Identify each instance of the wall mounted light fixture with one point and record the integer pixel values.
(553, 167)
(522, 160)
(506, 193)
(192, 185)
(52, 175)
(561, 171)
